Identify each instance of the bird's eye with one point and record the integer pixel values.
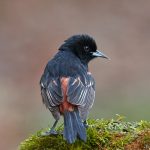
(86, 48)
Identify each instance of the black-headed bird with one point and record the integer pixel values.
(67, 86)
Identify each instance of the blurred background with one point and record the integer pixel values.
(30, 34)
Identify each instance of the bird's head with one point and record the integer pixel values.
(83, 46)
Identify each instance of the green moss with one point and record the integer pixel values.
(114, 134)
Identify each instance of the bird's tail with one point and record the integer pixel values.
(73, 126)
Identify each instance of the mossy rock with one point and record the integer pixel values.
(114, 134)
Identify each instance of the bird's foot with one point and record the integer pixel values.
(51, 132)
(86, 125)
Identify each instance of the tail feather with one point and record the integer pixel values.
(73, 126)
(69, 133)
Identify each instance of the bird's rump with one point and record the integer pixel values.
(77, 93)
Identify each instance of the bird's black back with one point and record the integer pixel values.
(65, 64)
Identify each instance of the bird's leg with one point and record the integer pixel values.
(52, 130)
(85, 124)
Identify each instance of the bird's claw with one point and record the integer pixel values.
(51, 132)
(86, 125)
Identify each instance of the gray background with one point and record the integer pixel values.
(31, 32)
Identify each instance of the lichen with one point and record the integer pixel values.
(113, 134)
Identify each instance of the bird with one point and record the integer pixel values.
(67, 85)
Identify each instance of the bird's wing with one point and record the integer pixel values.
(52, 93)
(79, 93)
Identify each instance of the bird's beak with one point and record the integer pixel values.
(99, 54)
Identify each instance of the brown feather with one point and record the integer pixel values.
(65, 104)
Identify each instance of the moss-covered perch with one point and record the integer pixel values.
(114, 134)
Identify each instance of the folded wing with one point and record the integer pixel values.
(80, 93)
(52, 93)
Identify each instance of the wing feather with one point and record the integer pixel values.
(52, 93)
(80, 93)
